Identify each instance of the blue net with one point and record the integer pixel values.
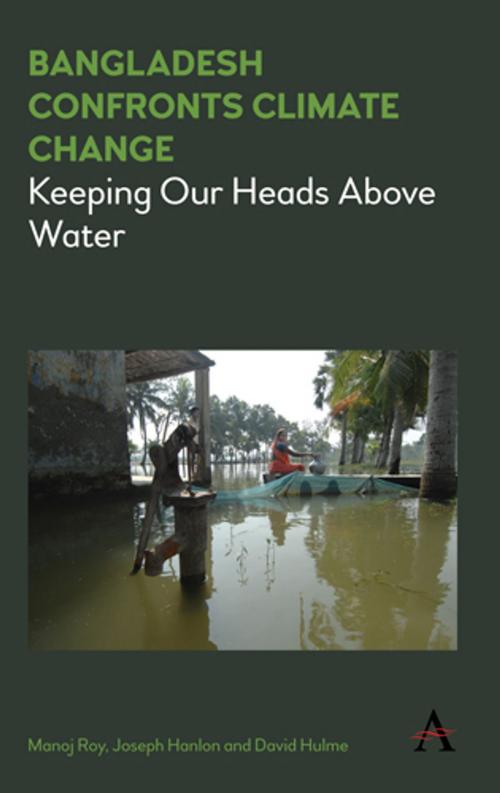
(299, 484)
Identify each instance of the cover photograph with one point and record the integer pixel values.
(248, 396)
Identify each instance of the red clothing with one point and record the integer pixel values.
(281, 461)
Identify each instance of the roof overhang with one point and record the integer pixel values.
(141, 365)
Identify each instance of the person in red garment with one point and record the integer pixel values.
(280, 455)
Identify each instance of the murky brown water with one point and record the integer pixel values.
(325, 573)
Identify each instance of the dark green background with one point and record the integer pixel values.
(191, 278)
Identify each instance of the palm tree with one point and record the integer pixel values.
(331, 388)
(143, 403)
(382, 390)
(403, 386)
(358, 417)
(439, 479)
(385, 439)
(343, 437)
(179, 397)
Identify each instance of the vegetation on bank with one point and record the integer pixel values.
(242, 433)
(375, 395)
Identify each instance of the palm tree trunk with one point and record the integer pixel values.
(144, 433)
(396, 441)
(383, 452)
(439, 479)
(358, 449)
(166, 426)
(343, 442)
(355, 448)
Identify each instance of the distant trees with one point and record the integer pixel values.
(144, 405)
(180, 396)
(239, 432)
(374, 396)
(159, 403)
(242, 432)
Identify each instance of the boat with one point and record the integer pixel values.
(299, 484)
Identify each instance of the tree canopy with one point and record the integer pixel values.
(374, 394)
(240, 432)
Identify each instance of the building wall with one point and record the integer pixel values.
(77, 421)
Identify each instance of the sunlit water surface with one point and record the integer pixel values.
(323, 573)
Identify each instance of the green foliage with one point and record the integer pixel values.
(243, 432)
(239, 431)
(158, 402)
(378, 378)
(364, 387)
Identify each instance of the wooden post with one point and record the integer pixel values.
(189, 540)
(202, 384)
(191, 531)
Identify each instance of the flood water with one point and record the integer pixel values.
(323, 573)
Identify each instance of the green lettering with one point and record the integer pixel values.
(39, 66)
(112, 63)
(348, 107)
(369, 98)
(33, 148)
(158, 65)
(32, 105)
(389, 105)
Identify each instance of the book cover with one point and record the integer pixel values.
(250, 203)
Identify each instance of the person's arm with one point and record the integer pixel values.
(293, 453)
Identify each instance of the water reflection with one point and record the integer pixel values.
(324, 573)
(383, 564)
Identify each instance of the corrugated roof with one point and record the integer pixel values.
(143, 365)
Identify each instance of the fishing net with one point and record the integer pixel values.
(298, 484)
